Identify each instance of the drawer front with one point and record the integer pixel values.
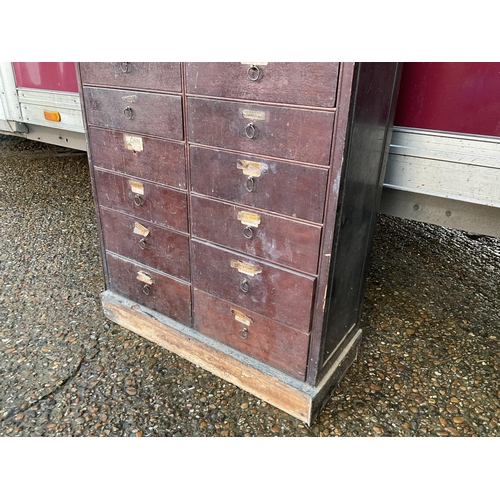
(272, 343)
(280, 187)
(138, 112)
(283, 241)
(274, 292)
(151, 159)
(146, 243)
(151, 289)
(157, 204)
(136, 75)
(308, 84)
(289, 133)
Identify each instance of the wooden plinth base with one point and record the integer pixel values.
(292, 396)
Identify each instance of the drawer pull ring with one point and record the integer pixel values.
(138, 201)
(250, 184)
(124, 67)
(128, 112)
(253, 73)
(244, 286)
(250, 131)
(142, 244)
(248, 233)
(243, 333)
(146, 289)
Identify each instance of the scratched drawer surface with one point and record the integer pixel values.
(275, 344)
(284, 188)
(139, 112)
(146, 243)
(274, 292)
(277, 239)
(308, 84)
(150, 202)
(150, 288)
(289, 133)
(148, 158)
(163, 76)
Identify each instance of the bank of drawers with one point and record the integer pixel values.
(235, 255)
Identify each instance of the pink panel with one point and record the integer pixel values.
(451, 97)
(46, 75)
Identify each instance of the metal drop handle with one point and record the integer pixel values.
(250, 131)
(142, 244)
(244, 286)
(124, 67)
(138, 201)
(146, 289)
(129, 113)
(253, 73)
(243, 333)
(248, 232)
(250, 185)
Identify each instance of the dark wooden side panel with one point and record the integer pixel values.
(164, 76)
(157, 204)
(289, 133)
(274, 292)
(165, 295)
(151, 159)
(364, 167)
(283, 241)
(308, 84)
(273, 343)
(138, 112)
(285, 188)
(146, 243)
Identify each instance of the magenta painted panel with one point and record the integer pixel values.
(46, 75)
(451, 97)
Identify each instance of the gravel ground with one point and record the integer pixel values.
(428, 364)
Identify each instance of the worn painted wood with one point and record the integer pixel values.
(147, 158)
(283, 241)
(279, 131)
(134, 75)
(307, 84)
(144, 200)
(261, 338)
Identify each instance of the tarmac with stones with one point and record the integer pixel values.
(428, 363)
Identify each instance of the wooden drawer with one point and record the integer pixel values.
(151, 159)
(283, 241)
(308, 84)
(135, 75)
(274, 292)
(277, 345)
(289, 133)
(285, 188)
(150, 288)
(139, 112)
(157, 204)
(146, 243)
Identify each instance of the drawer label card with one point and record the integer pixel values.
(136, 187)
(251, 114)
(242, 318)
(244, 268)
(251, 168)
(129, 98)
(140, 229)
(249, 219)
(145, 278)
(133, 143)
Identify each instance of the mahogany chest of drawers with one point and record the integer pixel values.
(236, 205)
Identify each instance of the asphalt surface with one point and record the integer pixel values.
(428, 363)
